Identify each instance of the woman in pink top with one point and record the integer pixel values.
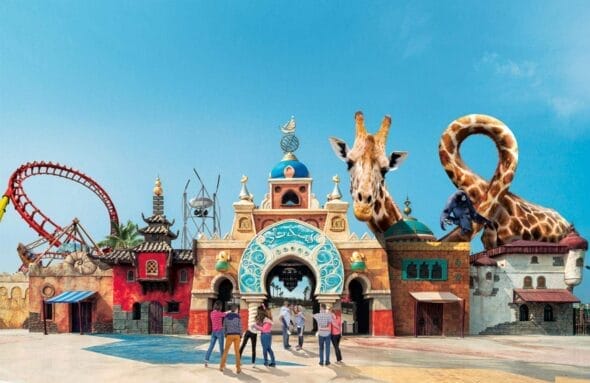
(217, 330)
(264, 325)
(336, 335)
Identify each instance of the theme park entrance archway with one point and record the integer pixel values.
(290, 242)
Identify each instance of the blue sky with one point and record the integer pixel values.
(126, 91)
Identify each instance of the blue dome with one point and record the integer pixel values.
(283, 169)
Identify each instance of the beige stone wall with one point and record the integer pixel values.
(14, 300)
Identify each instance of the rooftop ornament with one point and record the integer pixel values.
(336, 194)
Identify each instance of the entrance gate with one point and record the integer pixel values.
(430, 318)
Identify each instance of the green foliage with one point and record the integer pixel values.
(125, 236)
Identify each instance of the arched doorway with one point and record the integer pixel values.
(224, 293)
(355, 312)
(293, 281)
(523, 312)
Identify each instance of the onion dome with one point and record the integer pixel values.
(409, 228)
(574, 242)
(289, 167)
(485, 261)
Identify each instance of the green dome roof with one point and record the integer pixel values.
(410, 229)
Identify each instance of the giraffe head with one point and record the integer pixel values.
(367, 164)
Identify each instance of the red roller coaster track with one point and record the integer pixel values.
(35, 217)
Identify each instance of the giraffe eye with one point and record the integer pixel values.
(349, 164)
(384, 172)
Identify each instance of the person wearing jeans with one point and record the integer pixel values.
(252, 335)
(264, 324)
(300, 324)
(285, 317)
(217, 334)
(323, 319)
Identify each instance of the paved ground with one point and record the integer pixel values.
(67, 358)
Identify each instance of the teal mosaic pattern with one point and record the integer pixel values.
(287, 239)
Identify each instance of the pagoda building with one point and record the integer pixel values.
(152, 281)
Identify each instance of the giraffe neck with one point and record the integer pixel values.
(385, 212)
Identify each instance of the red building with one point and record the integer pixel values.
(152, 282)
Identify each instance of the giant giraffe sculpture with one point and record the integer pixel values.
(367, 164)
(513, 217)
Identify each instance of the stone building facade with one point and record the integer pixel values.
(14, 300)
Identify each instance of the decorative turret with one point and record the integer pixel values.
(574, 260)
(486, 272)
(336, 194)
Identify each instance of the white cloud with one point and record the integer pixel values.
(560, 83)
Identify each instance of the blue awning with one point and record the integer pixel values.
(71, 297)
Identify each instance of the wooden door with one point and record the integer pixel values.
(430, 317)
(155, 318)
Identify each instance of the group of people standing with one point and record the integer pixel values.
(227, 329)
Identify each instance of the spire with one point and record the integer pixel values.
(408, 209)
(336, 194)
(158, 204)
(245, 195)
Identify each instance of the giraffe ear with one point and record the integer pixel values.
(340, 148)
(396, 158)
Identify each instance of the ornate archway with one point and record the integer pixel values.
(291, 239)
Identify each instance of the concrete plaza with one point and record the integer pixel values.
(26, 357)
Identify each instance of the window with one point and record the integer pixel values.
(183, 276)
(541, 283)
(151, 267)
(136, 311)
(471, 282)
(489, 276)
(130, 275)
(173, 307)
(523, 313)
(579, 262)
(528, 283)
(557, 261)
(534, 259)
(548, 313)
(424, 269)
(436, 271)
(412, 271)
(290, 199)
(48, 311)
(424, 274)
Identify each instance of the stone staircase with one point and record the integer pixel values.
(515, 328)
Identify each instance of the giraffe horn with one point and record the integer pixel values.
(361, 131)
(381, 135)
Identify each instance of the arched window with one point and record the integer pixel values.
(534, 259)
(523, 312)
(183, 276)
(548, 313)
(424, 272)
(579, 262)
(130, 275)
(151, 267)
(136, 311)
(541, 282)
(412, 271)
(528, 282)
(436, 271)
(290, 199)
(489, 276)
